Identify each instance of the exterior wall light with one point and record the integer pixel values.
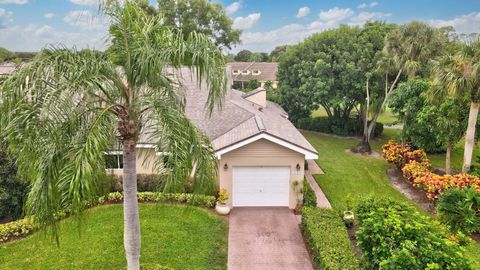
(225, 167)
(298, 167)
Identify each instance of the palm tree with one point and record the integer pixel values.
(458, 75)
(63, 109)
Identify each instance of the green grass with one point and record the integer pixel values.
(386, 117)
(348, 177)
(176, 236)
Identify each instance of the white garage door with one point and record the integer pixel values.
(261, 186)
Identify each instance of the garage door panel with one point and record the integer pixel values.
(261, 186)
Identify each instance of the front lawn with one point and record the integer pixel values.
(348, 174)
(180, 237)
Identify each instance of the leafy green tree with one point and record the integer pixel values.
(200, 16)
(6, 55)
(243, 56)
(13, 191)
(64, 108)
(259, 57)
(433, 125)
(278, 52)
(458, 75)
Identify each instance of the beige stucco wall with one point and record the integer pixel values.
(145, 162)
(259, 98)
(262, 153)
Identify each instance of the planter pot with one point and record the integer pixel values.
(222, 209)
(348, 218)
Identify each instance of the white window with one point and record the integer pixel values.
(256, 72)
(236, 72)
(245, 72)
(113, 160)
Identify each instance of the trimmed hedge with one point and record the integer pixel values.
(145, 182)
(309, 197)
(328, 239)
(394, 235)
(349, 127)
(26, 226)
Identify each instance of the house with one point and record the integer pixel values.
(7, 68)
(244, 72)
(260, 154)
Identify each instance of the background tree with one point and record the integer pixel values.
(6, 55)
(278, 52)
(72, 104)
(324, 71)
(243, 56)
(259, 57)
(458, 75)
(200, 16)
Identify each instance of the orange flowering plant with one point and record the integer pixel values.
(400, 155)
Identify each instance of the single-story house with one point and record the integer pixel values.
(260, 153)
(263, 72)
(7, 68)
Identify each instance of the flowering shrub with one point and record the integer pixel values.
(420, 176)
(400, 155)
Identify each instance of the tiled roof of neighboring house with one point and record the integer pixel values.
(268, 71)
(253, 92)
(7, 68)
(238, 119)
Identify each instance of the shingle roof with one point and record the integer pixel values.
(238, 119)
(268, 71)
(7, 68)
(253, 92)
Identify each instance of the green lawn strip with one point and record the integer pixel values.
(180, 237)
(359, 176)
(386, 117)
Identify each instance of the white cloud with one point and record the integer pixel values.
(85, 2)
(467, 23)
(232, 8)
(5, 17)
(336, 14)
(17, 2)
(33, 38)
(373, 4)
(85, 20)
(49, 15)
(303, 11)
(363, 17)
(362, 6)
(246, 22)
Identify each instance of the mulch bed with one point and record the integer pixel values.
(416, 195)
(353, 239)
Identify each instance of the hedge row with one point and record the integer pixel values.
(394, 235)
(309, 197)
(349, 127)
(328, 239)
(27, 225)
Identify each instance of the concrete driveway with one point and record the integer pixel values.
(266, 238)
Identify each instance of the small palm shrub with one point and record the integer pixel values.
(309, 197)
(460, 210)
(394, 235)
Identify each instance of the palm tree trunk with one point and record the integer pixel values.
(131, 232)
(448, 158)
(470, 136)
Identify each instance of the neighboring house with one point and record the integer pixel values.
(260, 154)
(263, 72)
(7, 68)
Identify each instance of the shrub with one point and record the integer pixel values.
(145, 182)
(460, 210)
(13, 190)
(400, 155)
(394, 235)
(349, 127)
(16, 229)
(328, 239)
(309, 197)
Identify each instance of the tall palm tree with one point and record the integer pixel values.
(63, 109)
(458, 75)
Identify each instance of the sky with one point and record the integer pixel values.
(30, 25)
